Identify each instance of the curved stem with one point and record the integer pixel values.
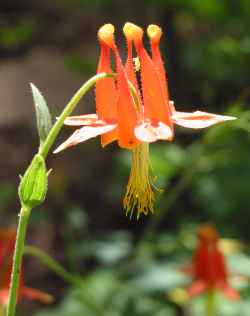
(64, 274)
(17, 260)
(52, 264)
(25, 211)
(68, 110)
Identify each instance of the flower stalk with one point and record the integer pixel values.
(26, 208)
(68, 110)
(64, 274)
(210, 303)
(53, 265)
(17, 260)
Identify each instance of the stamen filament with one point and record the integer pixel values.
(139, 193)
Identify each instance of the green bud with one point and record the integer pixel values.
(33, 186)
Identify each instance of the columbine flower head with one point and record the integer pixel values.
(7, 244)
(209, 269)
(132, 117)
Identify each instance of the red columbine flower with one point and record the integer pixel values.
(208, 268)
(133, 120)
(118, 112)
(7, 243)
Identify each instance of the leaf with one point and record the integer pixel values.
(43, 116)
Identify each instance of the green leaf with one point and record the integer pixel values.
(43, 116)
(33, 186)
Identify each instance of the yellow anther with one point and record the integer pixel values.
(137, 63)
(154, 33)
(132, 32)
(106, 34)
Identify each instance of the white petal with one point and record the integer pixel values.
(83, 134)
(199, 119)
(148, 133)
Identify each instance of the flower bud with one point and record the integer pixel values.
(33, 186)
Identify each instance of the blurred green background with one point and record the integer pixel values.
(128, 266)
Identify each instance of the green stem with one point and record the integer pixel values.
(25, 211)
(67, 111)
(65, 275)
(17, 260)
(53, 265)
(210, 303)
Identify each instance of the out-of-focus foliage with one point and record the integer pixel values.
(7, 192)
(12, 37)
(222, 179)
(151, 283)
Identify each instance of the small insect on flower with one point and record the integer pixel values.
(7, 244)
(132, 117)
(209, 269)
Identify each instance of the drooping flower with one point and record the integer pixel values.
(209, 270)
(126, 110)
(132, 117)
(7, 243)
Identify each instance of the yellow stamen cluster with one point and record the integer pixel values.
(137, 64)
(139, 194)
